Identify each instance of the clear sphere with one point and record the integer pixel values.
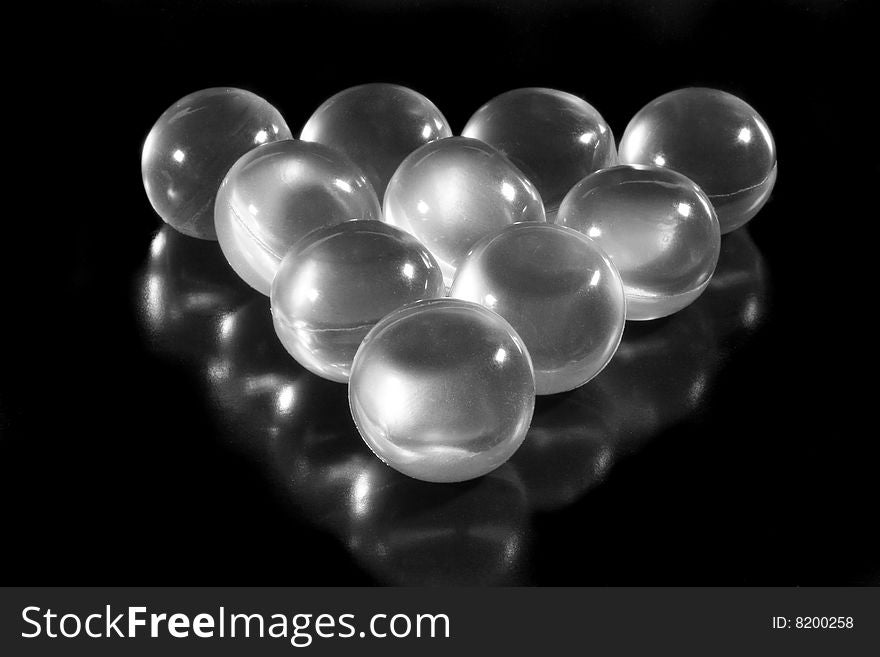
(442, 390)
(193, 144)
(277, 193)
(715, 139)
(657, 227)
(555, 138)
(377, 126)
(558, 290)
(452, 192)
(338, 281)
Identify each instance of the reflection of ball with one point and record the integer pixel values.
(715, 139)
(192, 146)
(185, 293)
(412, 533)
(452, 192)
(442, 390)
(555, 138)
(338, 281)
(657, 227)
(569, 448)
(277, 193)
(377, 126)
(559, 291)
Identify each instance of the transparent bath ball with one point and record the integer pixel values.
(452, 192)
(377, 126)
(338, 281)
(193, 144)
(555, 138)
(715, 139)
(558, 290)
(442, 390)
(657, 227)
(276, 194)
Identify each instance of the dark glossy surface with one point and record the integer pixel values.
(152, 428)
(297, 430)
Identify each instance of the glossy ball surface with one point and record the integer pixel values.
(276, 194)
(555, 138)
(715, 139)
(442, 390)
(337, 282)
(452, 192)
(193, 144)
(377, 126)
(657, 227)
(558, 290)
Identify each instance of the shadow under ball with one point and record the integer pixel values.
(377, 126)
(554, 137)
(559, 291)
(277, 193)
(442, 390)
(452, 192)
(658, 228)
(192, 146)
(715, 139)
(338, 281)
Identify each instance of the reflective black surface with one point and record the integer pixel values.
(154, 430)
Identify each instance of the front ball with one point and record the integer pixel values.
(442, 390)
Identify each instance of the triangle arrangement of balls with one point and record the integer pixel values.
(446, 279)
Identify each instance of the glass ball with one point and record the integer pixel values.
(715, 139)
(277, 193)
(442, 390)
(558, 290)
(338, 281)
(193, 144)
(555, 138)
(657, 227)
(452, 192)
(377, 126)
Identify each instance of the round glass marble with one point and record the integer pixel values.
(442, 390)
(338, 281)
(276, 194)
(558, 290)
(452, 192)
(657, 227)
(715, 139)
(193, 144)
(555, 138)
(377, 126)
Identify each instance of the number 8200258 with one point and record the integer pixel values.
(823, 622)
(813, 623)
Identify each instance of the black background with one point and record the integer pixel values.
(154, 432)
